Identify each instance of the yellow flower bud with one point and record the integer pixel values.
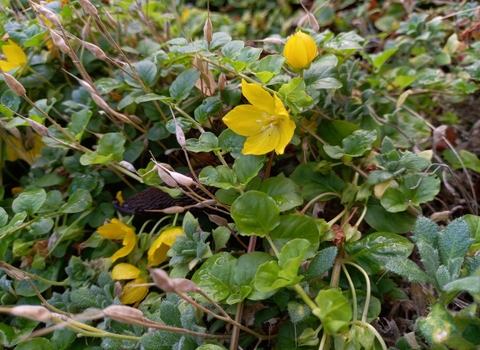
(300, 50)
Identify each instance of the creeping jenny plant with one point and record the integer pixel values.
(279, 222)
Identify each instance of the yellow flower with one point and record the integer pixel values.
(15, 56)
(266, 121)
(157, 253)
(131, 292)
(116, 230)
(124, 271)
(28, 150)
(300, 50)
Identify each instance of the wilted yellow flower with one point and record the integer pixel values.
(15, 56)
(124, 271)
(131, 292)
(157, 253)
(266, 122)
(27, 151)
(300, 50)
(116, 230)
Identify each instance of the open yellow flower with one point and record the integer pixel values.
(116, 230)
(300, 50)
(157, 253)
(15, 56)
(266, 122)
(132, 293)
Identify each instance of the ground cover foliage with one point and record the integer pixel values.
(331, 150)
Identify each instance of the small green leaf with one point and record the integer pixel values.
(334, 310)
(321, 263)
(249, 55)
(216, 276)
(354, 145)
(150, 97)
(231, 142)
(284, 192)
(35, 343)
(379, 59)
(382, 220)
(294, 95)
(271, 63)
(232, 49)
(469, 159)
(454, 242)
(208, 107)
(470, 284)
(157, 131)
(183, 85)
(439, 326)
(79, 123)
(296, 226)
(394, 201)
(105, 85)
(274, 275)
(375, 250)
(314, 183)
(320, 76)
(473, 223)
(207, 142)
(419, 189)
(246, 167)
(408, 269)
(246, 268)
(29, 201)
(79, 201)
(221, 176)
(146, 71)
(255, 213)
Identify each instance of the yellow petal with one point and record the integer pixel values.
(124, 271)
(157, 253)
(258, 97)
(14, 53)
(7, 66)
(119, 198)
(262, 142)
(115, 229)
(287, 128)
(129, 242)
(132, 293)
(246, 120)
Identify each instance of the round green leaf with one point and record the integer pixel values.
(29, 201)
(283, 191)
(78, 202)
(183, 85)
(255, 213)
(146, 71)
(393, 200)
(296, 226)
(382, 220)
(334, 310)
(216, 276)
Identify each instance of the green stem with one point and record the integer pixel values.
(354, 293)
(368, 292)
